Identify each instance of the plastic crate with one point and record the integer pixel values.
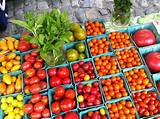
(125, 85)
(59, 66)
(51, 92)
(92, 110)
(27, 98)
(94, 20)
(16, 36)
(122, 31)
(148, 90)
(138, 67)
(156, 80)
(128, 48)
(99, 38)
(28, 52)
(1, 111)
(75, 110)
(85, 60)
(84, 83)
(73, 44)
(13, 74)
(107, 54)
(146, 50)
(150, 26)
(127, 99)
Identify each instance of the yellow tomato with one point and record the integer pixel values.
(4, 106)
(9, 99)
(14, 103)
(20, 97)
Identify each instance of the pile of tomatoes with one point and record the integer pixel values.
(34, 76)
(98, 46)
(68, 115)
(89, 95)
(122, 110)
(119, 40)
(138, 79)
(59, 76)
(106, 65)
(94, 28)
(128, 58)
(32, 60)
(83, 71)
(114, 87)
(63, 100)
(37, 107)
(98, 114)
(147, 103)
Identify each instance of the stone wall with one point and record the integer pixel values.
(77, 9)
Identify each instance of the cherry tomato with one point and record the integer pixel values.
(59, 91)
(36, 98)
(39, 107)
(28, 108)
(70, 94)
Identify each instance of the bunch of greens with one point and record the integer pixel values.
(122, 11)
(50, 32)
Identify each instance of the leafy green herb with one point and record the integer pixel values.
(122, 11)
(49, 33)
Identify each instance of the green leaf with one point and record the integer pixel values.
(41, 39)
(22, 24)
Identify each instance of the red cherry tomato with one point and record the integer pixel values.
(70, 94)
(39, 107)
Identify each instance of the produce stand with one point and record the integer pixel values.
(82, 111)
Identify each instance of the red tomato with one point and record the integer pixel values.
(38, 59)
(63, 72)
(43, 85)
(35, 88)
(38, 65)
(59, 91)
(52, 72)
(59, 117)
(41, 74)
(34, 53)
(36, 98)
(56, 97)
(24, 46)
(144, 37)
(26, 56)
(71, 115)
(35, 115)
(153, 61)
(39, 107)
(70, 94)
(66, 105)
(45, 100)
(34, 80)
(26, 80)
(26, 65)
(34, 46)
(55, 81)
(56, 107)
(30, 72)
(31, 59)
(46, 113)
(28, 108)
(66, 81)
